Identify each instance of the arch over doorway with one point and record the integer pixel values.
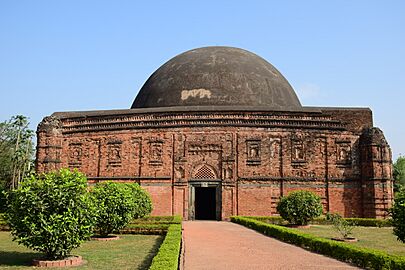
(204, 172)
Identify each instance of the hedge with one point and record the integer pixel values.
(148, 228)
(362, 257)
(154, 225)
(371, 222)
(167, 257)
(365, 222)
(157, 220)
(151, 225)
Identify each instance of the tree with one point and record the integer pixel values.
(2, 199)
(143, 203)
(16, 151)
(300, 207)
(115, 206)
(51, 213)
(341, 225)
(399, 173)
(398, 215)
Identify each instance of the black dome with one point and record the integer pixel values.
(217, 76)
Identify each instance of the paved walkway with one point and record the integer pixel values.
(224, 245)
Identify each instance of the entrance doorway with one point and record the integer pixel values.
(205, 203)
(205, 200)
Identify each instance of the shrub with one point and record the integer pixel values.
(362, 257)
(143, 203)
(167, 257)
(151, 225)
(115, 206)
(158, 220)
(341, 225)
(300, 207)
(398, 215)
(370, 222)
(51, 213)
(366, 222)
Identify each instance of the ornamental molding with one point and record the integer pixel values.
(173, 120)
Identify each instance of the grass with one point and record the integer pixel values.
(369, 237)
(129, 252)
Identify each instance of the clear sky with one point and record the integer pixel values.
(95, 55)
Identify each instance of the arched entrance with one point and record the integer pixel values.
(205, 198)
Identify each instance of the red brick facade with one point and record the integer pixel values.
(250, 157)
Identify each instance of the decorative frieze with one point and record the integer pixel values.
(141, 121)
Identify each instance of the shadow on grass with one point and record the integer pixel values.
(15, 258)
(152, 253)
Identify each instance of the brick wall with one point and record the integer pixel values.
(257, 157)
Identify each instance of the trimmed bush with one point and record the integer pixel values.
(151, 225)
(300, 207)
(115, 206)
(167, 257)
(51, 213)
(362, 257)
(398, 215)
(152, 229)
(143, 203)
(365, 222)
(370, 222)
(158, 220)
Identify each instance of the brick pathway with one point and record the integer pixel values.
(225, 245)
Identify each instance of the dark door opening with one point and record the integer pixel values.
(205, 203)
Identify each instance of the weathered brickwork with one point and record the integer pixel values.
(252, 158)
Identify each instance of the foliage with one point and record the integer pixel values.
(399, 173)
(341, 225)
(169, 252)
(366, 222)
(151, 225)
(158, 220)
(2, 199)
(398, 215)
(152, 229)
(370, 222)
(143, 203)
(362, 257)
(16, 151)
(115, 206)
(51, 213)
(300, 207)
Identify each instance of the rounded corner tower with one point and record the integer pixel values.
(217, 76)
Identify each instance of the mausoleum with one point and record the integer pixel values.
(218, 131)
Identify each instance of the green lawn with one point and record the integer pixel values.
(369, 237)
(129, 252)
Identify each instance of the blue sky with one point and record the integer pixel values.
(93, 55)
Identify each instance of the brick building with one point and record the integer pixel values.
(218, 131)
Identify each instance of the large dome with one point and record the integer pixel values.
(217, 76)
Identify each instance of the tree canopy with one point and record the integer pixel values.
(399, 173)
(16, 151)
(51, 213)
